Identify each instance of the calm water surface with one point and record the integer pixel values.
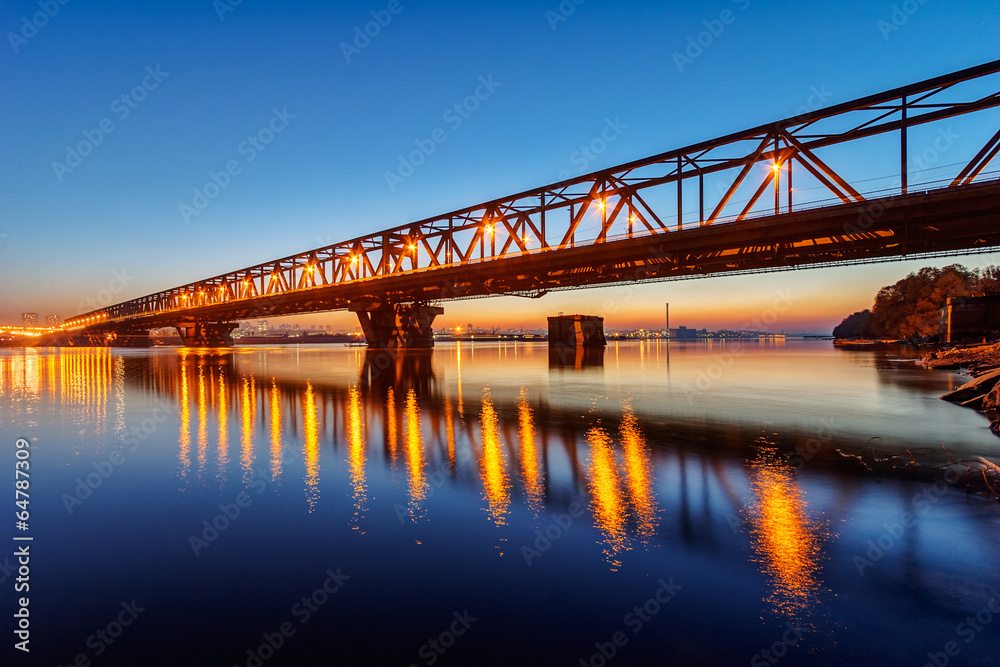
(487, 504)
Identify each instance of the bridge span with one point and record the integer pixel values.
(722, 206)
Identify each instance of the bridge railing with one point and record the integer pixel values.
(639, 198)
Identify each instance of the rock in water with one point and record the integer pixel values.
(992, 400)
(975, 387)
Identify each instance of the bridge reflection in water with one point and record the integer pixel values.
(242, 412)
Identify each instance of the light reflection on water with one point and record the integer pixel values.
(311, 446)
(515, 438)
(605, 491)
(533, 477)
(493, 462)
(787, 539)
(414, 455)
(356, 455)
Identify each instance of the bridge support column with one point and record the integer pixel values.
(577, 331)
(398, 325)
(207, 334)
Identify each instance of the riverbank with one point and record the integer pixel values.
(975, 358)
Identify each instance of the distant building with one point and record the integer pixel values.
(683, 333)
(261, 326)
(52, 320)
(29, 319)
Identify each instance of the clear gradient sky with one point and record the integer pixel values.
(198, 78)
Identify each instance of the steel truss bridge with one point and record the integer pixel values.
(721, 206)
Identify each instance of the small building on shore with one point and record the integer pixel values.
(969, 318)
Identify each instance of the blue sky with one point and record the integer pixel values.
(198, 80)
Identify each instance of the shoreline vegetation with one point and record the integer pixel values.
(906, 313)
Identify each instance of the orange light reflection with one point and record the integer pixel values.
(311, 446)
(533, 487)
(356, 451)
(495, 482)
(605, 491)
(786, 540)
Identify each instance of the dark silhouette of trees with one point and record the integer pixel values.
(857, 325)
(910, 307)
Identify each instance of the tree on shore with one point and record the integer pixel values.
(857, 325)
(910, 307)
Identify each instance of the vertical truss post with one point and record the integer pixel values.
(902, 147)
(680, 195)
(542, 214)
(777, 179)
(701, 196)
(789, 160)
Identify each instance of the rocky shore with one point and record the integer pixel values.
(976, 358)
(982, 392)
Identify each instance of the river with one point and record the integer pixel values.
(686, 503)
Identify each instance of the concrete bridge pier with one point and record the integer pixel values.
(398, 325)
(207, 334)
(573, 331)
